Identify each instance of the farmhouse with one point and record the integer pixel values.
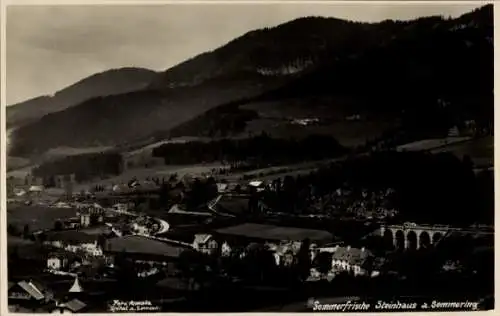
(205, 243)
(57, 261)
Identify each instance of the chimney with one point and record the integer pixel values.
(362, 249)
(348, 248)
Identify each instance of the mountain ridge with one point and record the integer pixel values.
(109, 82)
(380, 63)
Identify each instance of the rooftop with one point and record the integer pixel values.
(279, 233)
(75, 305)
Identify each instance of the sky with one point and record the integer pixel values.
(51, 47)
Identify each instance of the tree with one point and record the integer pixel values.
(26, 231)
(42, 237)
(211, 188)
(14, 255)
(304, 259)
(101, 241)
(193, 267)
(323, 262)
(58, 225)
(12, 230)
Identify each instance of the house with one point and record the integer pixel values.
(351, 259)
(454, 132)
(74, 241)
(257, 185)
(204, 243)
(226, 249)
(57, 261)
(222, 187)
(29, 293)
(91, 214)
(353, 117)
(36, 189)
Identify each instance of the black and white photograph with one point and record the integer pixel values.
(248, 157)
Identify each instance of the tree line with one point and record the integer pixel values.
(428, 188)
(262, 149)
(84, 167)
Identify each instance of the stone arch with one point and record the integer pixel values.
(388, 239)
(412, 240)
(400, 240)
(425, 240)
(436, 237)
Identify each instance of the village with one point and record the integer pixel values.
(175, 238)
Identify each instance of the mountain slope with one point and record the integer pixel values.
(384, 68)
(118, 119)
(407, 75)
(115, 81)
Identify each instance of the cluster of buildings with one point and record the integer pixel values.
(92, 240)
(30, 296)
(284, 244)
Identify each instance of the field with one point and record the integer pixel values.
(274, 119)
(480, 150)
(432, 144)
(150, 146)
(37, 217)
(14, 241)
(160, 171)
(348, 134)
(14, 163)
(20, 173)
(61, 152)
(20, 167)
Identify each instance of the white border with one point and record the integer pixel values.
(3, 217)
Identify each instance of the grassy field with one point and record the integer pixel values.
(274, 119)
(13, 241)
(14, 163)
(20, 173)
(160, 171)
(61, 152)
(349, 134)
(150, 146)
(480, 150)
(432, 144)
(37, 217)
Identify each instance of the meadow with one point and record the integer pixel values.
(37, 217)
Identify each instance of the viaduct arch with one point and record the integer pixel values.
(412, 236)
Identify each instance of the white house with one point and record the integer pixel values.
(225, 249)
(205, 243)
(57, 262)
(75, 241)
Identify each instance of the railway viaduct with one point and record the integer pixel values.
(414, 236)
